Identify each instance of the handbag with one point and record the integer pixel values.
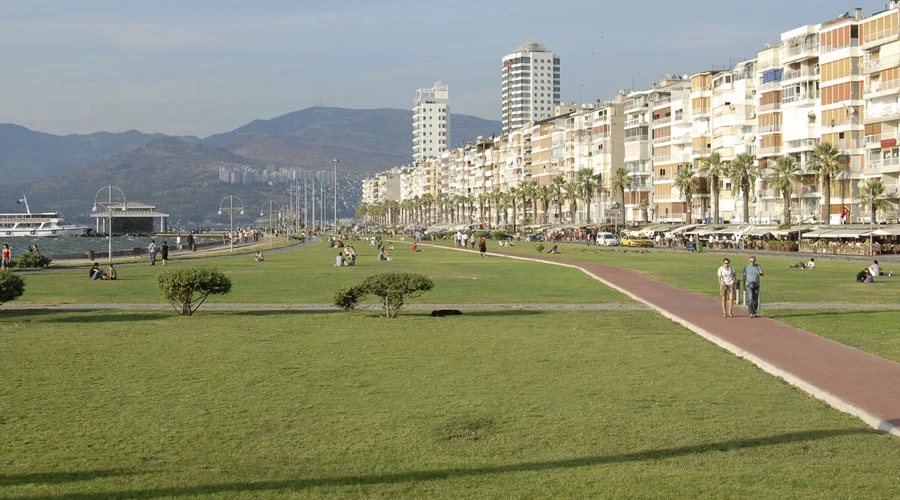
(753, 285)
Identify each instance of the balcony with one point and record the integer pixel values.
(662, 120)
(875, 87)
(770, 151)
(825, 49)
(772, 106)
(805, 72)
(663, 139)
(877, 36)
(769, 129)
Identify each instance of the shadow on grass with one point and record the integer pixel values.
(62, 477)
(77, 316)
(431, 475)
(806, 313)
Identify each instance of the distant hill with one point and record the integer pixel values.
(181, 176)
(27, 155)
(366, 141)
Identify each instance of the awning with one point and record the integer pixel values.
(762, 231)
(835, 233)
(681, 229)
(892, 230)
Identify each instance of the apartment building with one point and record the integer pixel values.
(531, 86)
(838, 81)
(431, 121)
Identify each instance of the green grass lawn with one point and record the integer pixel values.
(136, 404)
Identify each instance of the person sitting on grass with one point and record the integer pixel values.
(110, 273)
(554, 250)
(96, 273)
(259, 256)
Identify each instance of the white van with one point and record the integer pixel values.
(607, 239)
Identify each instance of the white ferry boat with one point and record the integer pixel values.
(44, 224)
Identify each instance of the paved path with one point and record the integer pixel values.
(846, 378)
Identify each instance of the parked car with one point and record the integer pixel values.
(607, 239)
(535, 237)
(637, 241)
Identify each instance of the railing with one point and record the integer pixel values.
(766, 129)
(770, 86)
(660, 140)
(824, 49)
(701, 111)
(770, 150)
(800, 73)
(879, 86)
(770, 106)
(663, 120)
(802, 49)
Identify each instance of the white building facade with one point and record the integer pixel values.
(431, 121)
(531, 86)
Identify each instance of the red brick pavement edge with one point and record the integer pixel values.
(849, 380)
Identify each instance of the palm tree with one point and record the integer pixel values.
(513, 198)
(427, 205)
(496, 197)
(715, 170)
(503, 204)
(743, 173)
(619, 182)
(573, 192)
(644, 206)
(556, 187)
(784, 176)
(589, 182)
(872, 194)
(686, 183)
(527, 190)
(545, 194)
(484, 200)
(827, 164)
(362, 212)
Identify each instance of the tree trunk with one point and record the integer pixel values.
(826, 199)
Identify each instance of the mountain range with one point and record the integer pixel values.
(180, 175)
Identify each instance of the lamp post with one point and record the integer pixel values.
(231, 210)
(270, 203)
(335, 162)
(862, 185)
(108, 205)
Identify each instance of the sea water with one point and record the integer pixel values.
(67, 245)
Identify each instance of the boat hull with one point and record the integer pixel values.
(44, 233)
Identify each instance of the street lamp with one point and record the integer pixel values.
(270, 203)
(862, 185)
(335, 162)
(231, 210)
(108, 206)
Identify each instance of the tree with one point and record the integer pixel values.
(188, 288)
(528, 190)
(784, 176)
(686, 183)
(513, 197)
(573, 192)
(394, 289)
(715, 170)
(556, 185)
(12, 286)
(644, 206)
(743, 173)
(544, 193)
(619, 182)
(827, 164)
(873, 196)
(589, 183)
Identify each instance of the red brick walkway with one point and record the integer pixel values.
(846, 378)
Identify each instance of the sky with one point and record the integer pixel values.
(201, 67)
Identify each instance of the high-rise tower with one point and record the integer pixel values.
(530, 86)
(431, 121)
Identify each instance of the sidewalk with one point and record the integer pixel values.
(846, 378)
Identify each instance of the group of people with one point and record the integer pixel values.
(347, 257)
(868, 274)
(810, 264)
(163, 251)
(752, 274)
(97, 274)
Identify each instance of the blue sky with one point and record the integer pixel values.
(202, 67)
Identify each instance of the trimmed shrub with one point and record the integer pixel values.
(12, 286)
(394, 288)
(30, 260)
(539, 247)
(187, 288)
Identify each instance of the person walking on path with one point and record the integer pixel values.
(752, 274)
(7, 255)
(726, 287)
(164, 253)
(482, 246)
(178, 242)
(151, 249)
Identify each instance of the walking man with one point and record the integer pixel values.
(151, 249)
(726, 287)
(752, 274)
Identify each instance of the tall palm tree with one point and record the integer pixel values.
(544, 193)
(743, 173)
(503, 205)
(484, 200)
(427, 207)
(827, 164)
(556, 187)
(362, 212)
(589, 182)
(619, 182)
(873, 196)
(644, 206)
(572, 192)
(686, 183)
(785, 175)
(496, 197)
(513, 198)
(527, 190)
(716, 169)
